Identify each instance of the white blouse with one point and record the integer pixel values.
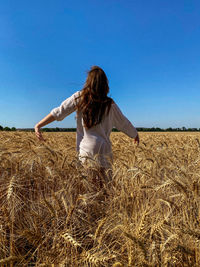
(96, 140)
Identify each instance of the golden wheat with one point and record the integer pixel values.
(53, 214)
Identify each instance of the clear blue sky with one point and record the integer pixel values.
(149, 49)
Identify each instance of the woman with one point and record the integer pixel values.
(97, 114)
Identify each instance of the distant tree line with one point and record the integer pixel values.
(7, 128)
(170, 129)
(140, 129)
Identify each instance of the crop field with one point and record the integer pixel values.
(54, 213)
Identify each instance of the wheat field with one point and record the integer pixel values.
(52, 213)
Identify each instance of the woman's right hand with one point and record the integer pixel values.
(137, 139)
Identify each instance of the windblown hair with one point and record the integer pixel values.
(94, 102)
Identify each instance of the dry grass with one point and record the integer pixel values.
(51, 214)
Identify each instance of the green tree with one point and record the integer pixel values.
(169, 129)
(1, 128)
(46, 130)
(7, 129)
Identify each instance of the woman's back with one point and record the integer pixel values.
(96, 139)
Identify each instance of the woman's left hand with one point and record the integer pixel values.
(38, 133)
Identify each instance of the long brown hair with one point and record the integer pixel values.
(94, 102)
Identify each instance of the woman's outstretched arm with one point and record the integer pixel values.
(46, 120)
(123, 124)
(67, 107)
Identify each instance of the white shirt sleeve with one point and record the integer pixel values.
(122, 123)
(66, 108)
